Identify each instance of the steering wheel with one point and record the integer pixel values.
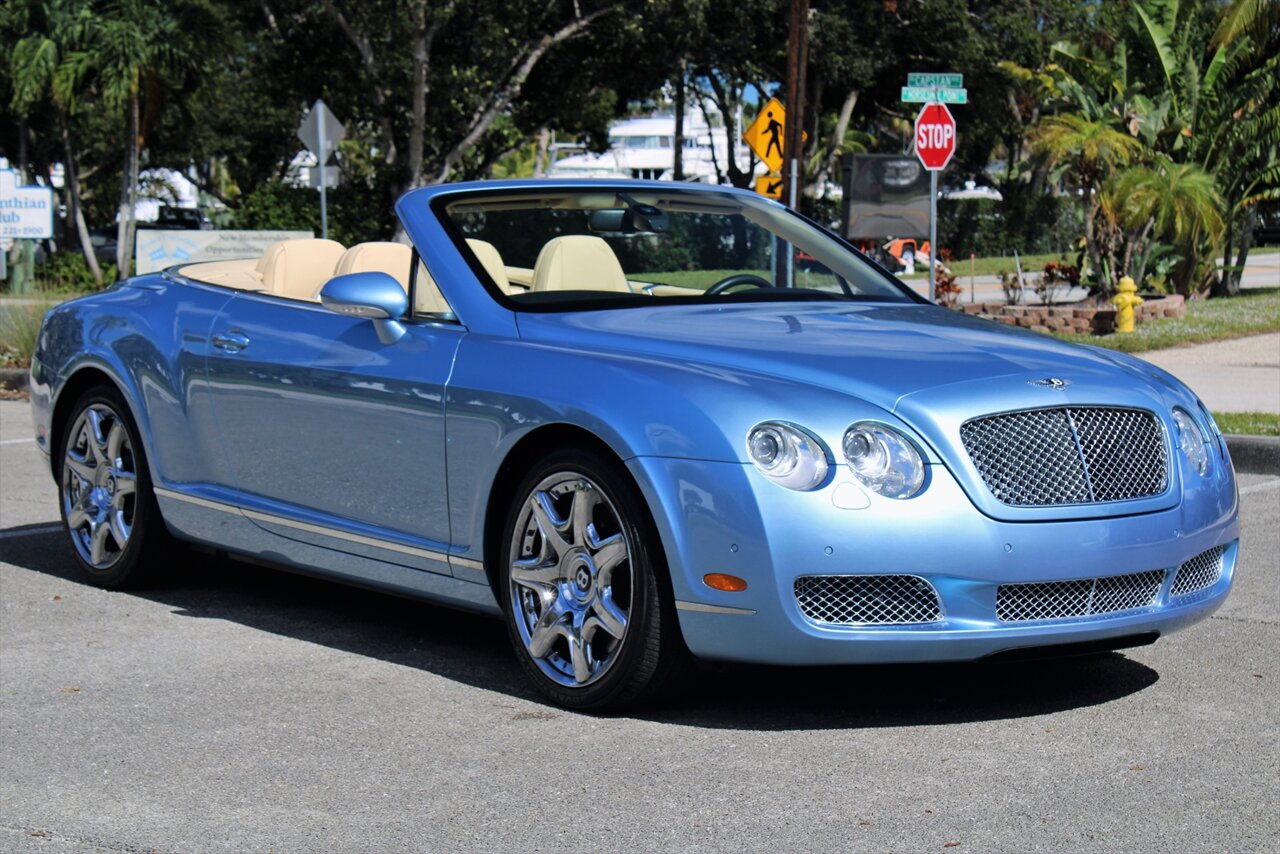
(735, 280)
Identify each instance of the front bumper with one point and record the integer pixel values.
(725, 517)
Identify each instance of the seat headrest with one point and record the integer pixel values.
(377, 257)
(578, 262)
(297, 269)
(491, 259)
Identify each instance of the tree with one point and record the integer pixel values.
(46, 68)
(1090, 150)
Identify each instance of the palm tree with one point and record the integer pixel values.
(1257, 19)
(1177, 203)
(1090, 150)
(46, 68)
(135, 46)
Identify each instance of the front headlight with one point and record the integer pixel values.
(787, 455)
(883, 459)
(1192, 441)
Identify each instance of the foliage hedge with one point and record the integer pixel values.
(356, 213)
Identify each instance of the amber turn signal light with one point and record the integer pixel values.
(721, 581)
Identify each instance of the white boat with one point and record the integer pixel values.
(644, 148)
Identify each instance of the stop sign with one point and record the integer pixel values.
(935, 136)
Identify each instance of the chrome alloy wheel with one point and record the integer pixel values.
(99, 486)
(570, 579)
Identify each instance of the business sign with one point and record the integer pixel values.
(157, 249)
(25, 212)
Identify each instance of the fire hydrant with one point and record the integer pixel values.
(1125, 301)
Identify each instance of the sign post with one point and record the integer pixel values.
(321, 132)
(935, 141)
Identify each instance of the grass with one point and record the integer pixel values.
(1255, 312)
(1248, 423)
(19, 327)
(995, 265)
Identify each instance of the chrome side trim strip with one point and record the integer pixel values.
(199, 502)
(466, 563)
(710, 609)
(343, 535)
(304, 526)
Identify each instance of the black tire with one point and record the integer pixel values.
(651, 654)
(147, 544)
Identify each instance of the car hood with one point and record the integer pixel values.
(882, 354)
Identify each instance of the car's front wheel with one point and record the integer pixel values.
(585, 608)
(107, 505)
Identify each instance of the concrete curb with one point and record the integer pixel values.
(1255, 454)
(14, 378)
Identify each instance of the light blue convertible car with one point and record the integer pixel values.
(620, 415)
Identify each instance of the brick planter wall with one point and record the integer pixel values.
(1076, 317)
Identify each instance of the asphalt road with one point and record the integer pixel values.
(243, 709)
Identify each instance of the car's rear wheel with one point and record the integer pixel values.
(585, 608)
(108, 508)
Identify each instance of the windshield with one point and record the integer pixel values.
(564, 249)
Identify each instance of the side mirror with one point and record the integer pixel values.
(376, 296)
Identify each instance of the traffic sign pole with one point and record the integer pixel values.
(935, 144)
(324, 199)
(933, 234)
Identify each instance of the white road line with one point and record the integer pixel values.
(1261, 487)
(29, 532)
(15, 441)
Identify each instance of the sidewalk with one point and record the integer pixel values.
(1242, 375)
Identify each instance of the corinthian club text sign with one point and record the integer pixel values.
(25, 212)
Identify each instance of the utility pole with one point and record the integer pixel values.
(792, 167)
(797, 63)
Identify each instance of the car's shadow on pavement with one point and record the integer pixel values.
(474, 650)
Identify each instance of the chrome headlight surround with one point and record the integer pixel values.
(1215, 432)
(788, 455)
(1192, 441)
(883, 460)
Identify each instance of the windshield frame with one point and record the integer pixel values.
(601, 300)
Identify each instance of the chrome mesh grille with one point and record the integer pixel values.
(867, 599)
(1199, 573)
(1068, 455)
(1084, 597)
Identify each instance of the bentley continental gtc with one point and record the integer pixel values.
(623, 418)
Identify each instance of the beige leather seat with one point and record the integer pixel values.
(297, 269)
(491, 259)
(578, 262)
(394, 259)
(382, 257)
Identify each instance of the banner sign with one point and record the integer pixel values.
(157, 249)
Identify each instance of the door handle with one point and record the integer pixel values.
(231, 341)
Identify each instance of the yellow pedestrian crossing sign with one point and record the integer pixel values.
(770, 185)
(767, 134)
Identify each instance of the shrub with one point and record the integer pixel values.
(68, 272)
(19, 329)
(356, 214)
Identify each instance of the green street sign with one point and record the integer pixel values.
(926, 95)
(937, 81)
